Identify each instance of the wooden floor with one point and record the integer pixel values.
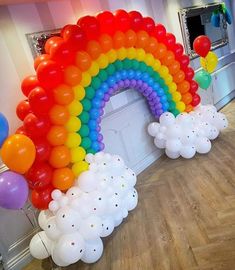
(185, 218)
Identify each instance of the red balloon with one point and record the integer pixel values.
(43, 149)
(136, 20)
(189, 73)
(41, 199)
(50, 42)
(193, 87)
(184, 61)
(74, 36)
(148, 24)
(36, 126)
(178, 49)
(21, 130)
(39, 176)
(62, 53)
(23, 109)
(49, 74)
(40, 102)
(106, 22)
(169, 40)
(90, 25)
(202, 45)
(38, 60)
(122, 20)
(28, 84)
(159, 32)
(196, 100)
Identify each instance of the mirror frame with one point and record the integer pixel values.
(198, 10)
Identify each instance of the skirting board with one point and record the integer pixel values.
(23, 257)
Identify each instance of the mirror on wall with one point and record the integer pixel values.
(197, 20)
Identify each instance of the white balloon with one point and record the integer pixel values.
(203, 145)
(57, 259)
(87, 181)
(221, 121)
(118, 218)
(153, 129)
(121, 186)
(82, 206)
(160, 143)
(93, 251)
(40, 246)
(188, 151)
(98, 202)
(43, 217)
(174, 131)
(214, 133)
(74, 192)
(131, 200)
(99, 157)
(63, 201)
(173, 145)
(130, 177)
(160, 136)
(184, 120)
(107, 226)
(56, 194)
(172, 155)
(167, 119)
(107, 157)
(124, 213)
(52, 231)
(114, 203)
(188, 136)
(53, 206)
(93, 167)
(70, 248)
(89, 158)
(91, 227)
(68, 220)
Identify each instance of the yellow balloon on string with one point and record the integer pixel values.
(209, 63)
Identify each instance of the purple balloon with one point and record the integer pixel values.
(115, 87)
(111, 91)
(98, 128)
(13, 190)
(127, 83)
(100, 138)
(121, 84)
(101, 146)
(144, 86)
(133, 83)
(106, 97)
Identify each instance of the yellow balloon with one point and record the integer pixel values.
(149, 59)
(73, 140)
(121, 53)
(112, 55)
(163, 71)
(75, 108)
(86, 79)
(168, 79)
(172, 87)
(77, 154)
(176, 96)
(94, 69)
(73, 124)
(131, 53)
(79, 92)
(180, 106)
(140, 54)
(102, 61)
(209, 63)
(79, 167)
(156, 65)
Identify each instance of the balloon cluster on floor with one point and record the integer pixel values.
(75, 77)
(97, 203)
(188, 134)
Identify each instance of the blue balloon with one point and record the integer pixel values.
(92, 124)
(145, 77)
(93, 135)
(4, 129)
(96, 102)
(111, 81)
(156, 86)
(160, 92)
(95, 146)
(99, 94)
(131, 74)
(138, 75)
(104, 87)
(163, 99)
(124, 74)
(118, 76)
(165, 106)
(94, 113)
(151, 82)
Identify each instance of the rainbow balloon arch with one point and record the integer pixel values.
(89, 192)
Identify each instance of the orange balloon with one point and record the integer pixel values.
(59, 157)
(152, 45)
(142, 39)
(63, 178)
(18, 153)
(63, 94)
(183, 87)
(174, 67)
(93, 48)
(72, 75)
(57, 135)
(118, 40)
(130, 38)
(161, 51)
(83, 60)
(179, 76)
(59, 115)
(106, 42)
(38, 60)
(168, 59)
(187, 98)
(189, 108)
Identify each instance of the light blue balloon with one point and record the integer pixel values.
(4, 129)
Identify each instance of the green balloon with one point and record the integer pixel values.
(156, 77)
(91, 151)
(165, 88)
(161, 82)
(84, 117)
(127, 63)
(96, 82)
(169, 96)
(110, 69)
(150, 71)
(86, 104)
(86, 143)
(203, 78)
(175, 112)
(135, 64)
(143, 67)
(171, 105)
(84, 131)
(119, 65)
(90, 92)
(103, 75)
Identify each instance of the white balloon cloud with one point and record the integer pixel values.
(188, 133)
(97, 203)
